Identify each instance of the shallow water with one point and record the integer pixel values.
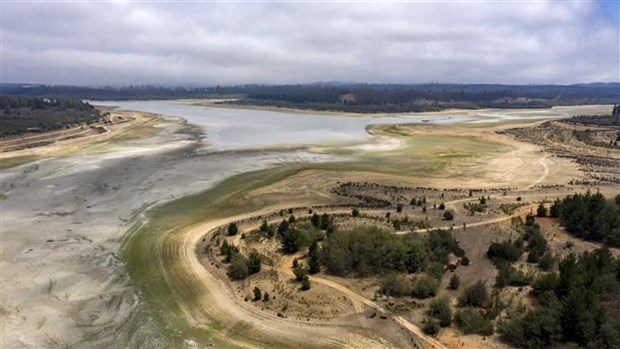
(229, 128)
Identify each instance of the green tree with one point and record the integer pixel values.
(315, 220)
(257, 294)
(300, 273)
(254, 262)
(305, 283)
(232, 229)
(313, 259)
(228, 251)
(238, 267)
(283, 227)
(266, 228)
(541, 211)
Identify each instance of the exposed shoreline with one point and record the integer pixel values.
(209, 103)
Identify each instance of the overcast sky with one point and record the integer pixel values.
(123, 42)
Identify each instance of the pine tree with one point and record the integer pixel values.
(313, 256)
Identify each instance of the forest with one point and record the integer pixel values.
(351, 97)
(579, 304)
(31, 114)
(590, 216)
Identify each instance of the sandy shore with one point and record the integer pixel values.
(573, 110)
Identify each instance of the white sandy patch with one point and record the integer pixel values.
(379, 143)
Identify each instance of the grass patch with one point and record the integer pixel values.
(149, 250)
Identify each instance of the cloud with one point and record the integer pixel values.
(119, 43)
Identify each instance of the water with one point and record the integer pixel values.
(231, 129)
(228, 128)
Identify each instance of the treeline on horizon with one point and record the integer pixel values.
(19, 114)
(367, 98)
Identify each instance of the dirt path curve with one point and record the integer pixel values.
(429, 342)
(218, 302)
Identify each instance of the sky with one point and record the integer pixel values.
(192, 43)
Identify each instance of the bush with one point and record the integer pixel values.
(266, 297)
(442, 206)
(431, 326)
(300, 273)
(305, 283)
(470, 321)
(509, 276)
(399, 208)
(455, 282)
(440, 309)
(448, 215)
(238, 267)
(545, 283)
(425, 287)
(547, 261)
(395, 285)
(506, 251)
(257, 294)
(355, 212)
(266, 228)
(537, 329)
(541, 211)
(475, 295)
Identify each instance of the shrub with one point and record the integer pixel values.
(541, 211)
(442, 206)
(257, 294)
(475, 295)
(440, 309)
(455, 282)
(547, 261)
(355, 212)
(425, 287)
(238, 267)
(509, 276)
(431, 326)
(448, 215)
(266, 297)
(469, 321)
(300, 273)
(506, 251)
(305, 283)
(266, 228)
(395, 285)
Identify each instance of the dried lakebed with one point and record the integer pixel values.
(65, 220)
